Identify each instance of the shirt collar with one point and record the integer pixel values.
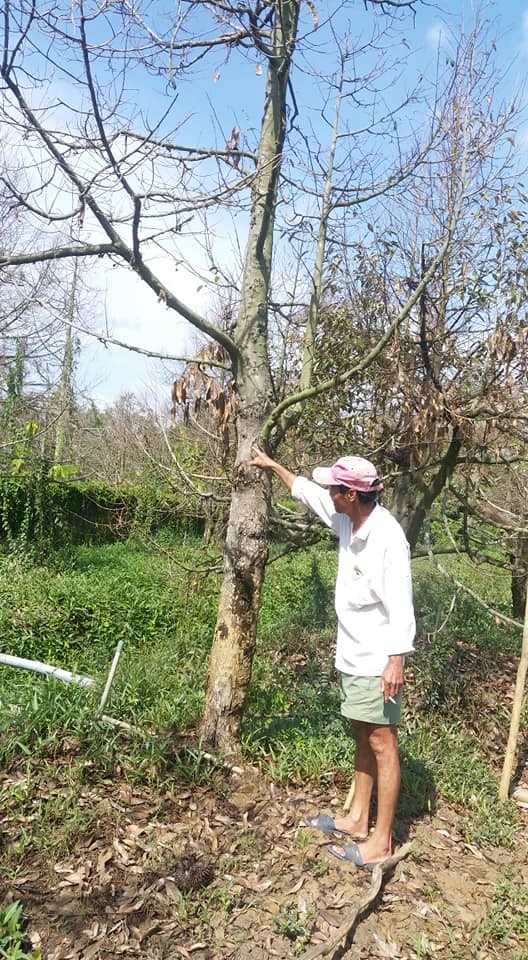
(366, 527)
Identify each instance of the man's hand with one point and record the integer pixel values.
(263, 462)
(261, 459)
(392, 678)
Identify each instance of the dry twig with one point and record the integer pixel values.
(329, 948)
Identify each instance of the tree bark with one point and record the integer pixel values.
(434, 489)
(519, 568)
(63, 428)
(245, 552)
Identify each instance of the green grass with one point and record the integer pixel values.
(12, 936)
(163, 604)
(453, 765)
(508, 918)
(467, 622)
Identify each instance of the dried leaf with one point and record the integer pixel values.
(296, 887)
(386, 948)
(172, 890)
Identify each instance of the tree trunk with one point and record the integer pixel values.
(434, 489)
(245, 552)
(245, 556)
(63, 429)
(519, 568)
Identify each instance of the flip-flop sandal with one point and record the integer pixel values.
(351, 853)
(324, 823)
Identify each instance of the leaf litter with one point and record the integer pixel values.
(231, 875)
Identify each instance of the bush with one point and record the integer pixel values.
(39, 514)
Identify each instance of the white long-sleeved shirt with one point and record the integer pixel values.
(373, 596)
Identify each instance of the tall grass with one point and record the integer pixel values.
(162, 603)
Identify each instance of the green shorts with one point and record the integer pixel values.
(362, 699)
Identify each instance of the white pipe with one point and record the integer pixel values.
(46, 668)
(110, 678)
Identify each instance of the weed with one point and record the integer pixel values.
(457, 769)
(303, 842)
(12, 935)
(509, 913)
(295, 924)
(249, 845)
(430, 892)
(423, 949)
(226, 898)
(320, 868)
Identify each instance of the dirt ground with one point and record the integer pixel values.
(228, 874)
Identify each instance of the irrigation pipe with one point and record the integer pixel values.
(111, 675)
(46, 668)
(36, 666)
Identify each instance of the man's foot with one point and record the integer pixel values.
(354, 827)
(327, 824)
(368, 854)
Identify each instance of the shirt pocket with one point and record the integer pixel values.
(359, 591)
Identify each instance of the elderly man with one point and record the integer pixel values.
(373, 602)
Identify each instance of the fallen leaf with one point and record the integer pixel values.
(386, 948)
(296, 887)
(252, 883)
(172, 890)
(474, 850)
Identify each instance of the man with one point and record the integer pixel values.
(376, 626)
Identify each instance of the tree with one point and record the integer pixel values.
(99, 155)
(452, 382)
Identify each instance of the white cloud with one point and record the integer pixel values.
(126, 309)
(436, 35)
(524, 34)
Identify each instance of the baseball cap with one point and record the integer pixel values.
(354, 472)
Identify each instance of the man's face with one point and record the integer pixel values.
(342, 498)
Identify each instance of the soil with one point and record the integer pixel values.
(226, 872)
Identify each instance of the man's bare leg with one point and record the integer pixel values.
(383, 743)
(357, 820)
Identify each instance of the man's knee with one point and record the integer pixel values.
(361, 731)
(383, 740)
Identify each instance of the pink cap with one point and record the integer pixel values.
(354, 472)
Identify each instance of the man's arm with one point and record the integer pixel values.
(263, 462)
(397, 599)
(314, 497)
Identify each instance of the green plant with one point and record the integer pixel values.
(13, 940)
(303, 842)
(509, 913)
(423, 949)
(295, 924)
(454, 765)
(319, 868)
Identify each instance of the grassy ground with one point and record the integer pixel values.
(162, 604)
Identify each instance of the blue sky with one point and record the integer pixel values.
(129, 310)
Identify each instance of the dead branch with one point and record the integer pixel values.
(329, 948)
(465, 589)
